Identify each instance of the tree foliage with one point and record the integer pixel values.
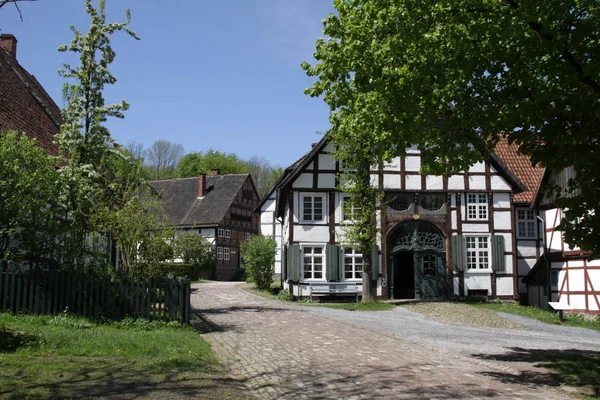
(453, 76)
(28, 206)
(264, 175)
(201, 162)
(194, 249)
(258, 255)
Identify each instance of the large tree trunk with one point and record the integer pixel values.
(367, 283)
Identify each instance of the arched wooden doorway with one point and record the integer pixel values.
(416, 261)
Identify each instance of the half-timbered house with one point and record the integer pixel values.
(440, 236)
(221, 208)
(562, 274)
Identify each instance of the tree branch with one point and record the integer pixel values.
(565, 54)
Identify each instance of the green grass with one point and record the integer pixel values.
(63, 356)
(541, 315)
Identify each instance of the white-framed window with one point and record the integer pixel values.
(226, 253)
(227, 233)
(221, 232)
(349, 211)
(312, 207)
(312, 262)
(478, 252)
(526, 223)
(247, 235)
(219, 253)
(353, 264)
(477, 206)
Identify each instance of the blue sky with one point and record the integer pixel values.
(222, 74)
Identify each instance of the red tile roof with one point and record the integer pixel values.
(520, 165)
(26, 107)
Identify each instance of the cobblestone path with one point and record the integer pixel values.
(285, 351)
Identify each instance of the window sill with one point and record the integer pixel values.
(478, 271)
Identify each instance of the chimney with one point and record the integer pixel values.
(9, 43)
(201, 185)
(215, 171)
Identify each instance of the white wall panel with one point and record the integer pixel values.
(498, 183)
(434, 182)
(576, 301)
(576, 280)
(504, 286)
(477, 167)
(393, 165)
(594, 276)
(501, 200)
(304, 181)
(454, 218)
(478, 282)
(312, 234)
(527, 249)
(412, 163)
(475, 228)
(391, 181)
(477, 182)
(456, 182)
(326, 181)
(329, 147)
(326, 161)
(593, 302)
(508, 245)
(502, 220)
(413, 182)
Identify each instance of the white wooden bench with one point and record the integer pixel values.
(333, 288)
(560, 307)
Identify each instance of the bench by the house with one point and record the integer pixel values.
(560, 307)
(333, 288)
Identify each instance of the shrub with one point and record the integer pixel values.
(258, 255)
(194, 249)
(285, 295)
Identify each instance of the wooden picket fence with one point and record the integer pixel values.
(111, 297)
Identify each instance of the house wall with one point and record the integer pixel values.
(321, 177)
(271, 227)
(574, 279)
(239, 221)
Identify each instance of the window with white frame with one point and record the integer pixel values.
(477, 206)
(478, 252)
(221, 232)
(312, 207)
(353, 264)
(219, 253)
(225, 253)
(312, 262)
(526, 223)
(349, 211)
(247, 236)
(227, 233)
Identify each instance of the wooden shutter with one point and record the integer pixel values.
(332, 263)
(293, 263)
(498, 260)
(458, 252)
(375, 263)
(284, 263)
(341, 265)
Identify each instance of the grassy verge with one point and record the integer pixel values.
(541, 315)
(67, 357)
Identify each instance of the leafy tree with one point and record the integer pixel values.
(28, 206)
(263, 174)
(453, 76)
(162, 158)
(153, 252)
(85, 143)
(194, 249)
(194, 164)
(258, 254)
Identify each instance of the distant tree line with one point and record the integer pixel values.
(167, 160)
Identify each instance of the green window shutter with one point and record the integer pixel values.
(375, 263)
(332, 264)
(458, 252)
(293, 263)
(498, 262)
(284, 263)
(341, 266)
